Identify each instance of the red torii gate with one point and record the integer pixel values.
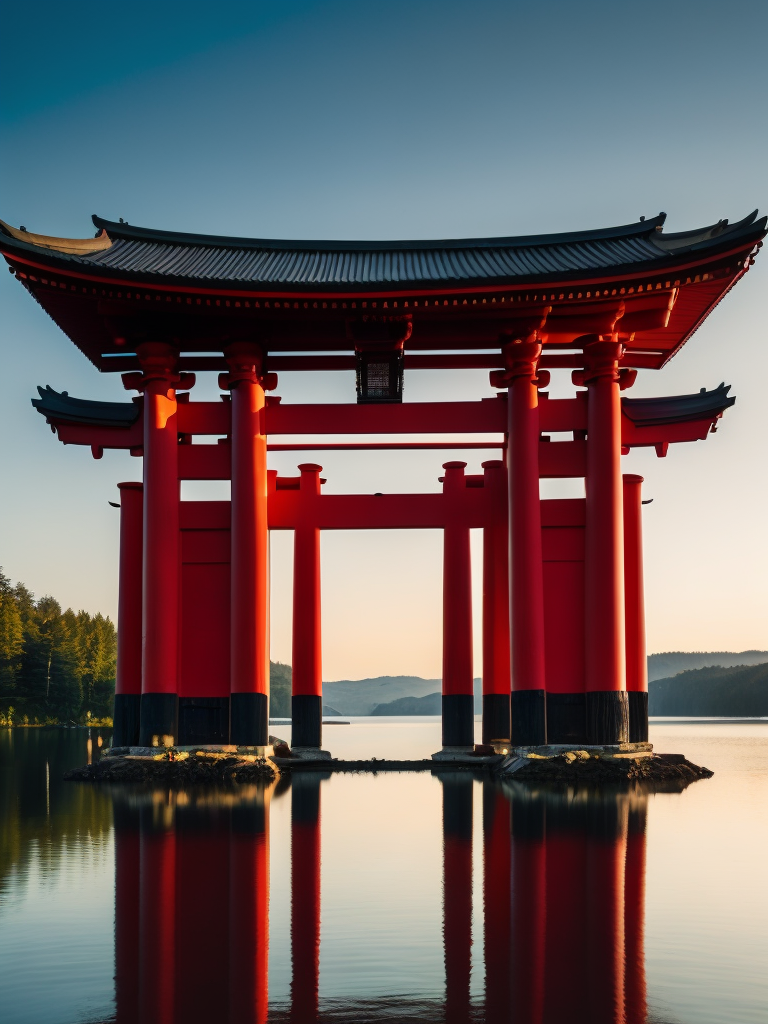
(562, 595)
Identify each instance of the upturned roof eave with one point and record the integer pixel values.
(80, 267)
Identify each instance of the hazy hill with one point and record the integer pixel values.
(741, 692)
(360, 696)
(431, 704)
(670, 663)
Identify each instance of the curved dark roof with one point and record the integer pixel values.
(656, 412)
(644, 412)
(162, 256)
(60, 406)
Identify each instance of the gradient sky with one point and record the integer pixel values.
(391, 120)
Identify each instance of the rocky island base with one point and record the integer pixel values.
(177, 767)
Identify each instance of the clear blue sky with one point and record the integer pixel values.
(391, 120)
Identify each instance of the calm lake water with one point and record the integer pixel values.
(397, 897)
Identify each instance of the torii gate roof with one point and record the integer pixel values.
(460, 295)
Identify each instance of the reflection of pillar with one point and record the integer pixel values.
(249, 581)
(305, 897)
(497, 892)
(529, 714)
(249, 912)
(567, 959)
(457, 893)
(607, 708)
(157, 902)
(634, 916)
(307, 687)
(160, 598)
(637, 666)
(604, 880)
(458, 694)
(127, 897)
(528, 908)
(202, 888)
(496, 665)
(128, 677)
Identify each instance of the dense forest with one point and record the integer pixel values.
(712, 692)
(59, 666)
(55, 666)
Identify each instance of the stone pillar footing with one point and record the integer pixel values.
(311, 753)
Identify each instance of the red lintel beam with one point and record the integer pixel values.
(379, 512)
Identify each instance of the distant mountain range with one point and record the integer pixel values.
(684, 680)
(671, 663)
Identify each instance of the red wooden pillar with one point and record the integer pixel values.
(249, 563)
(496, 654)
(157, 903)
(249, 910)
(634, 606)
(160, 597)
(458, 691)
(307, 687)
(128, 677)
(457, 894)
(529, 716)
(305, 897)
(607, 706)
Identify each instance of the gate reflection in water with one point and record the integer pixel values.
(192, 898)
(563, 906)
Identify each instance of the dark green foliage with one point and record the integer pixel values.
(54, 666)
(712, 692)
(279, 690)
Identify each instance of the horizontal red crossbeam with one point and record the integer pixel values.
(289, 509)
(393, 446)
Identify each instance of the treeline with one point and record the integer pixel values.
(740, 692)
(55, 666)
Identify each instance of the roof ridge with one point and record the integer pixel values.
(130, 233)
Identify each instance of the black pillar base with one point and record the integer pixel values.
(458, 720)
(496, 717)
(249, 719)
(607, 716)
(203, 720)
(127, 714)
(566, 718)
(306, 720)
(159, 717)
(529, 718)
(638, 717)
